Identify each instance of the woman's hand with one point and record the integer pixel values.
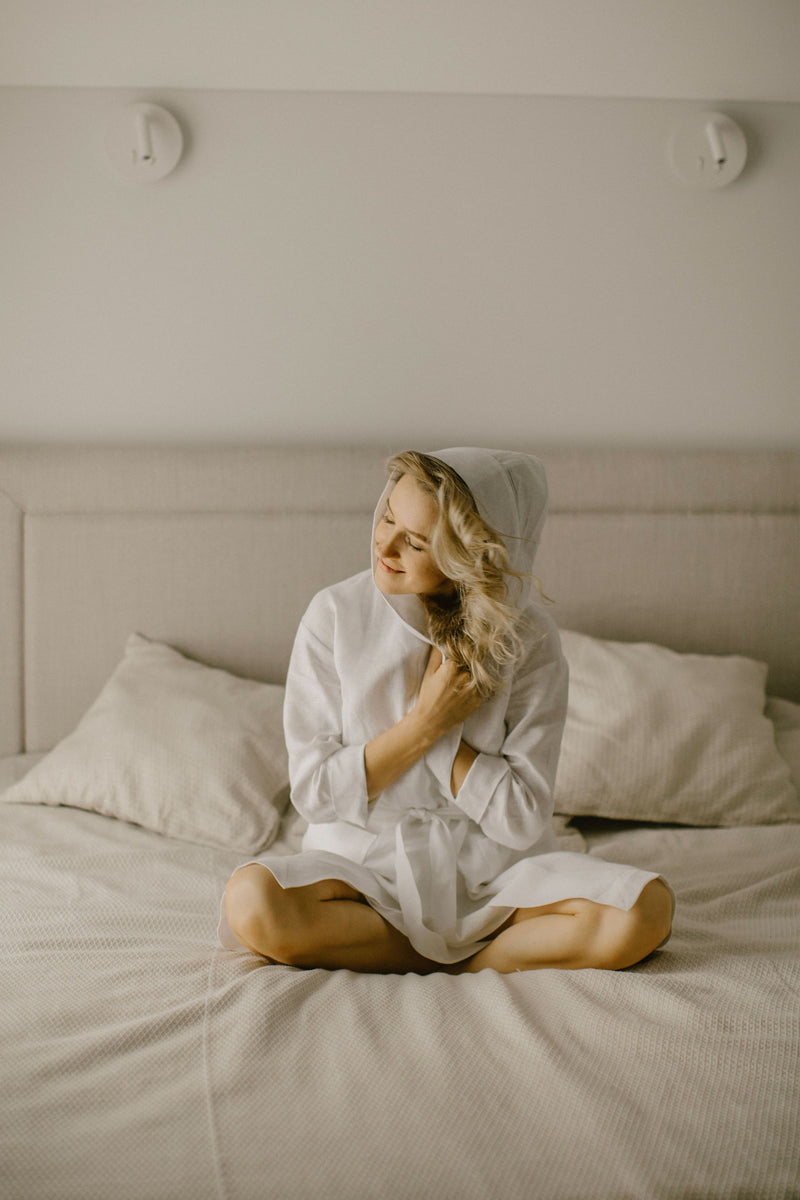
(447, 695)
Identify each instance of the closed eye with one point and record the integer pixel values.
(387, 520)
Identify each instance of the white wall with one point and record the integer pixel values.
(404, 267)
(681, 49)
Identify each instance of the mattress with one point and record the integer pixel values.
(142, 1060)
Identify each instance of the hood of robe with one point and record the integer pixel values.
(510, 492)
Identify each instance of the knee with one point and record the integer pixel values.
(624, 938)
(251, 903)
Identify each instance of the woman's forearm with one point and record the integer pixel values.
(387, 756)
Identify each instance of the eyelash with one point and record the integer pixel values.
(388, 521)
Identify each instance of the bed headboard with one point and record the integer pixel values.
(217, 551)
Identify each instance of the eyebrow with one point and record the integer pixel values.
(421, 536)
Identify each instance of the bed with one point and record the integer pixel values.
(152, 591)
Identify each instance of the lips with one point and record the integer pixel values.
(386, 567)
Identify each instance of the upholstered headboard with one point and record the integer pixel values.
(217, 551)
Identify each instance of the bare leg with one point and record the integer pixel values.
(574, 934)
(326, 924)
(329, 925)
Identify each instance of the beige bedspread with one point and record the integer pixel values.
(141, 1061)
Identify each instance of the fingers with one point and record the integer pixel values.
(434, 661)
(447, 694)
(458, 678)
(457, 682)
(462, 681)
(451, 679)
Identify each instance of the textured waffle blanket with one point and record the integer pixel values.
(141, 1061)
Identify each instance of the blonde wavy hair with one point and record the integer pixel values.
(475, 624)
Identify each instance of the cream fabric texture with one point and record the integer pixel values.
(652, 735)
(180, 748)
(181, 542)
(785, 718)
(140, 1062)
(11, 558)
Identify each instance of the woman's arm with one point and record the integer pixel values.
(446, 698)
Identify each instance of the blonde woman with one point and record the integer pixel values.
(425, 704)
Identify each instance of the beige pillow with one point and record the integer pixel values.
(785, 718)
(183, 749)
(653, 735)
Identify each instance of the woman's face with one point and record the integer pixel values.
(405, 564)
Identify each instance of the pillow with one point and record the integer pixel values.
(186, 750)
(785, 717)
(653, 735)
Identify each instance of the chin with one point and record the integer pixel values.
(392, 585)
(384, 582)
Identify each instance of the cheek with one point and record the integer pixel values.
(383, 536)
(431, 575)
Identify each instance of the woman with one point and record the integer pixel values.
(425, 703)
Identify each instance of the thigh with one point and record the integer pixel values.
(654, 903)
(618, 937)
(269, 918)
(256, 887)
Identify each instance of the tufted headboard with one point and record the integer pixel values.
(217, 551)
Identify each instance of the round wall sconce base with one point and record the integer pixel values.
(144, 142)
(708, 150)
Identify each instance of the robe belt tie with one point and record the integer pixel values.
(430, 839)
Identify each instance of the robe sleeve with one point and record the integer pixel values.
(328, 779)
(510, 794)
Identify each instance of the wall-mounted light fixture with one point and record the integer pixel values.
(144, 142)
(708, 150)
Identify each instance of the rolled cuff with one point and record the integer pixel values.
(347, 785)
(480, 784)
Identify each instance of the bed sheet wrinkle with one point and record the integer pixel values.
(340, 1080)
(100, 1086)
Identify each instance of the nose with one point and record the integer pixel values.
(388, 544)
